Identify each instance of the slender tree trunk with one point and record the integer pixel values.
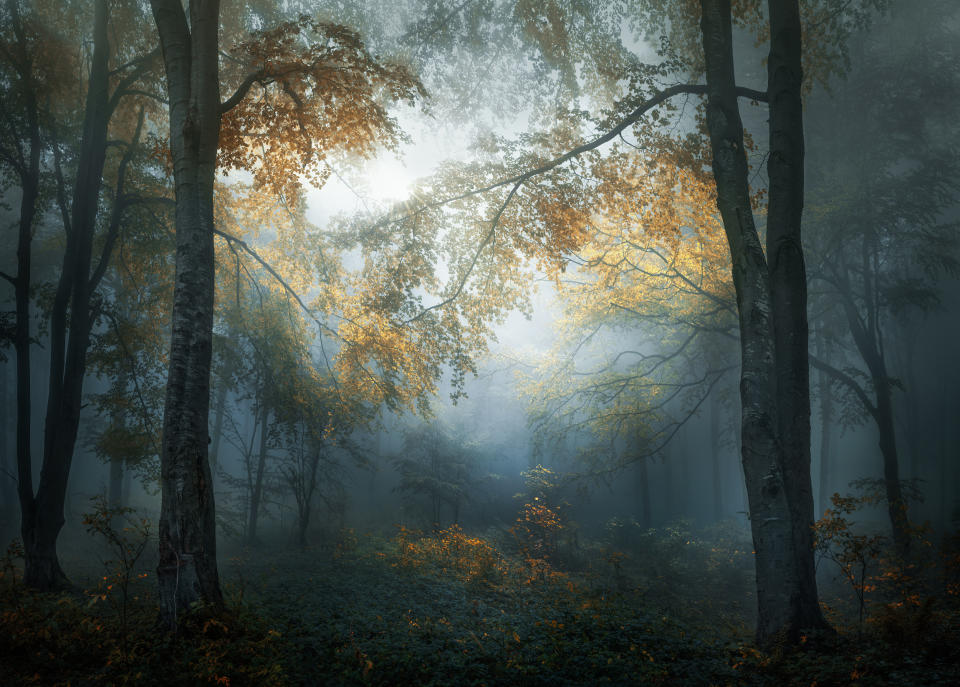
(826, 425)
(896, 504)
(683, 493)
(8, 497)
(187, 570)
(643, 493)
(868, 339)
(29, 173)
(307, 499)
(256, 491)
(716, 455)
(115, 495)
(670, 506)
(772, 328)
(220, 404)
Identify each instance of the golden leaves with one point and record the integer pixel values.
(315, 92)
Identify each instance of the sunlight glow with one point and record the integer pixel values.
(387, 180)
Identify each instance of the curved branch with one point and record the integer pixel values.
(242, 90)
(847, 381)
(519, 179)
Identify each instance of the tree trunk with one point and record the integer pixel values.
(643, 493)
(7, 479)
(256, 489)
(683, 493)
(868, 338)
(772, 328)
(115, 493)
(29, 176)
(788, 286)
(896, 504)
(670, 509)
(306, 499)
(716, 455)
(826, 425)
(68, 354)
(187, 569)
(219, 409)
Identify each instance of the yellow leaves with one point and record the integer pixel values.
(316, 92)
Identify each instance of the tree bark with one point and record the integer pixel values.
(670, 505)
(788, 288)
(896, 503)
(28, 171)
(868, 338)
(187, 570)
(8, 497)
(786, 589)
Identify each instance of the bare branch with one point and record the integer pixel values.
(847, 381)
(118, 205)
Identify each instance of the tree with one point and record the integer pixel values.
(772, 307)
(648, 314)
(74, 309)
(435, 466)
(879, 232)
(342, 114)
(534, 200)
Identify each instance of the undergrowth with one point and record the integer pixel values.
(670, 606)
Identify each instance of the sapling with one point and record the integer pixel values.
(127, 544)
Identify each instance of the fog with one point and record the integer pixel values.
(502, 326)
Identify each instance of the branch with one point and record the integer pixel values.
(847, 381)
(476, 256)
(234, 241)
(519, 179)
(144, 65)
(242, 90)
(136, 61)
(118, 206)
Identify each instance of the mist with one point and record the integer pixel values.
(497, 343)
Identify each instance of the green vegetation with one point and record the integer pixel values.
(666, 606)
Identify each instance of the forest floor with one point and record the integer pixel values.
(671, 607)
